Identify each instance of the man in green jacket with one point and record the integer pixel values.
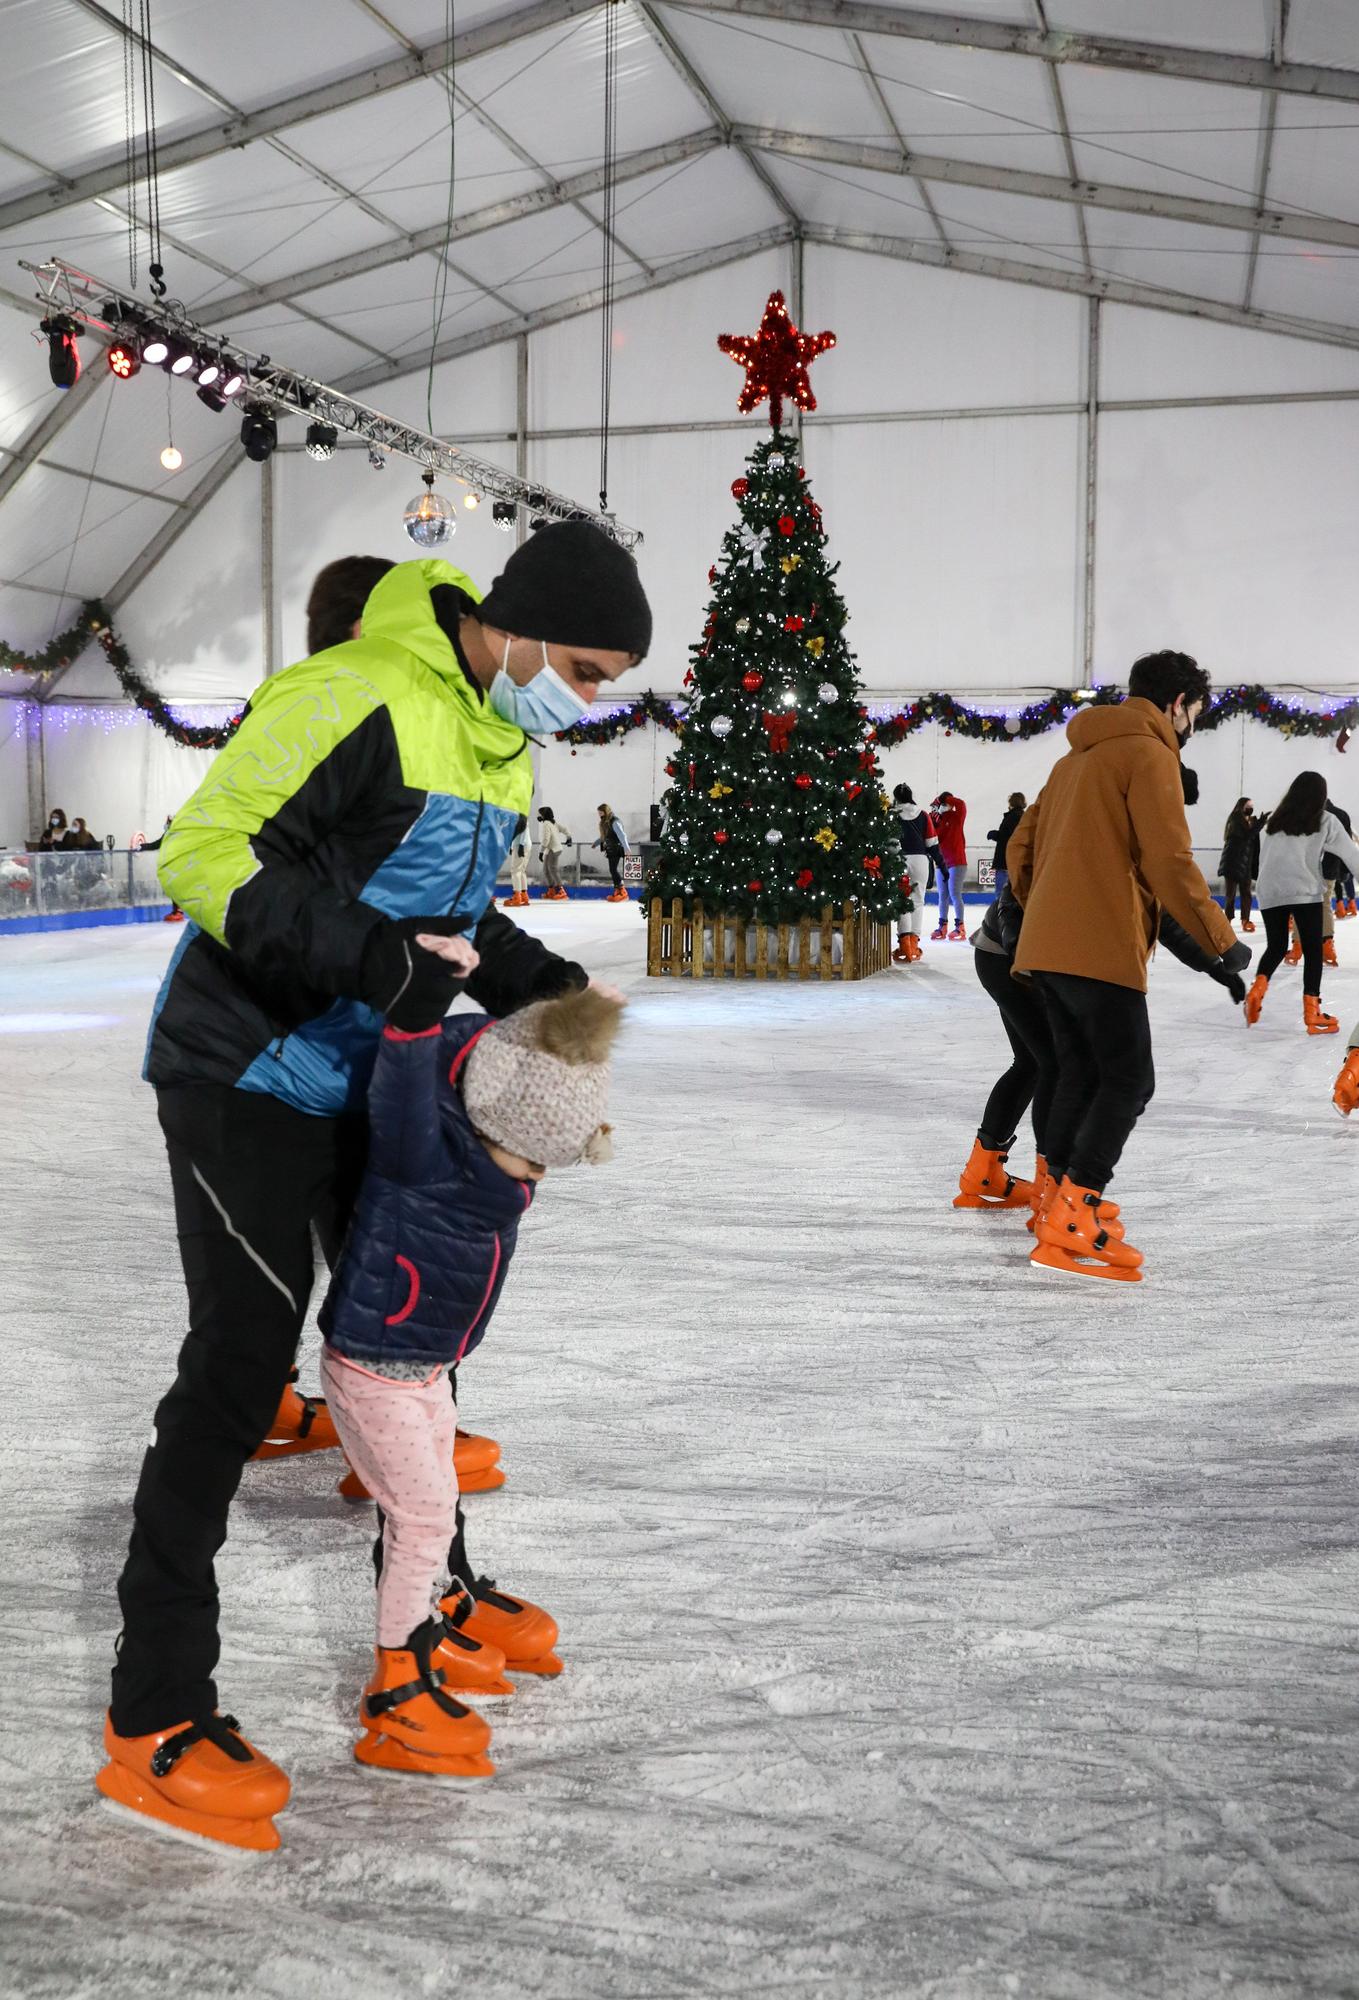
(367, 799)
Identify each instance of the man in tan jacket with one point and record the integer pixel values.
(1103, 848)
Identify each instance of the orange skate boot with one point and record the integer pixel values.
(1346, 1093)
(915, 951)
(524, 1632)
(410, 1724)
(1328, 956)
(476, 1461)
(984, 1182)
(1255, 999)
(1044, 1188)
(1318, 1023)
(200, 1779)
(301, 1423)
(902, 954)
(1075, 1236)
(1293, 956)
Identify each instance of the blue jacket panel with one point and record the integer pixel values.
(436, 1221)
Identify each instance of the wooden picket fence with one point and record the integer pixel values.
(693, 944)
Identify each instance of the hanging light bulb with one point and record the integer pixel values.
(172, 458)
(471, 501)
(429, 518)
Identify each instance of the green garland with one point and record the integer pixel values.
(1249, 699)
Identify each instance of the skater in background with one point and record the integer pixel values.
(1239, 864)
(1340, 877)
(1297, 837)
(1015, 809)
(397, 763)
(465, 1119)
(949, 815)
(915, 830)
(1103, 845)
(521, 848)
(174, 915)
(553, 841)
(614, 841)
(1031, 1079)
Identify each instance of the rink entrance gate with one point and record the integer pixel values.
(842, 943)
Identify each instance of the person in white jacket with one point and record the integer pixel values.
(521, 850)
(552, 843)
(1296, 835)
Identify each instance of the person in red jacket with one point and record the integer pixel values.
(949, 815)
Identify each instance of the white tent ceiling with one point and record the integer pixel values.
(1200, 156)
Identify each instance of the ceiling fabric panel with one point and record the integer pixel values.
(1310, 279)
(969, 104)
(1163, 133)
(394, 152)
(95, 238)
(64, 85)
(340, 39)
(1210, 263)
(1315, 163)
(764, 72)
(70, 535)
(1324, 31)
(298, 343)
(1239, 29)
(672, 213)
(548, 91)
(259, 215)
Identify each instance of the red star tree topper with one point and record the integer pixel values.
(775, 359)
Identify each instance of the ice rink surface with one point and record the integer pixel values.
(931, 1627)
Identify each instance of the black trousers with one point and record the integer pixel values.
(1032, 1076)
(1308, 918)
(1105, 1079)
(1231, 892)
(251, 1178)
(614, 857)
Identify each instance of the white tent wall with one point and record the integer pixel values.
(14, 828)
(961, 538)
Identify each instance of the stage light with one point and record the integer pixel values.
(209, 371)
(535, 500)
(233, 378)
(429, 517)
(125, 357)
(259, 432)
(538, 521)
(212, 399)
(503, 513)
(321, 440)
(182, 357)
(172, 458)
(63, 356)
(471, 501)
(156, 349)
(377, 458)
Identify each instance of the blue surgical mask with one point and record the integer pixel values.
(544, 705)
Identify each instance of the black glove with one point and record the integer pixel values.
(399, 978)
(1237, 959)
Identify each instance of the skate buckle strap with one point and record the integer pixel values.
(485, 1592)
(308, 1416)
(218, 1729)
(430, 1680)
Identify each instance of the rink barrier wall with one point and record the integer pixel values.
(695, 944)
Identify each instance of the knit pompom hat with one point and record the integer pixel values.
(538, 1082)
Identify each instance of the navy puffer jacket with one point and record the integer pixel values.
(436, 1221)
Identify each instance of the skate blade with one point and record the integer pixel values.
(126, 1796)
(488, 1481)
(385, 1754)
(1046, 1258)
(546, 1664)
(498, 1690)
(292, 1447)
(989, 1202)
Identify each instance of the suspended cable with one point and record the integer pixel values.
(130, 139)
(608, 255)
(439, 296)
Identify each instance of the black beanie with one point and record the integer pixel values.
(573, 586)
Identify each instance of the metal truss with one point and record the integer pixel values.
(62, 287)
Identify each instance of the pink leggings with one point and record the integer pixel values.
(398, 1436)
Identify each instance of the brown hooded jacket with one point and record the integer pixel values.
(1103, 844)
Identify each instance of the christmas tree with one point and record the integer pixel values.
(778, 805)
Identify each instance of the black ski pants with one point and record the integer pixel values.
(251, 1178)
(1102, 1039)
(1029, 1082)
(1308, 918)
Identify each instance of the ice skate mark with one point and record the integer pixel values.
(1235, 1821)
(251, 1252)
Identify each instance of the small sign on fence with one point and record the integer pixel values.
(632, 868)
(986, 875)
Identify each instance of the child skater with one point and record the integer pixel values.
(465, 1120)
